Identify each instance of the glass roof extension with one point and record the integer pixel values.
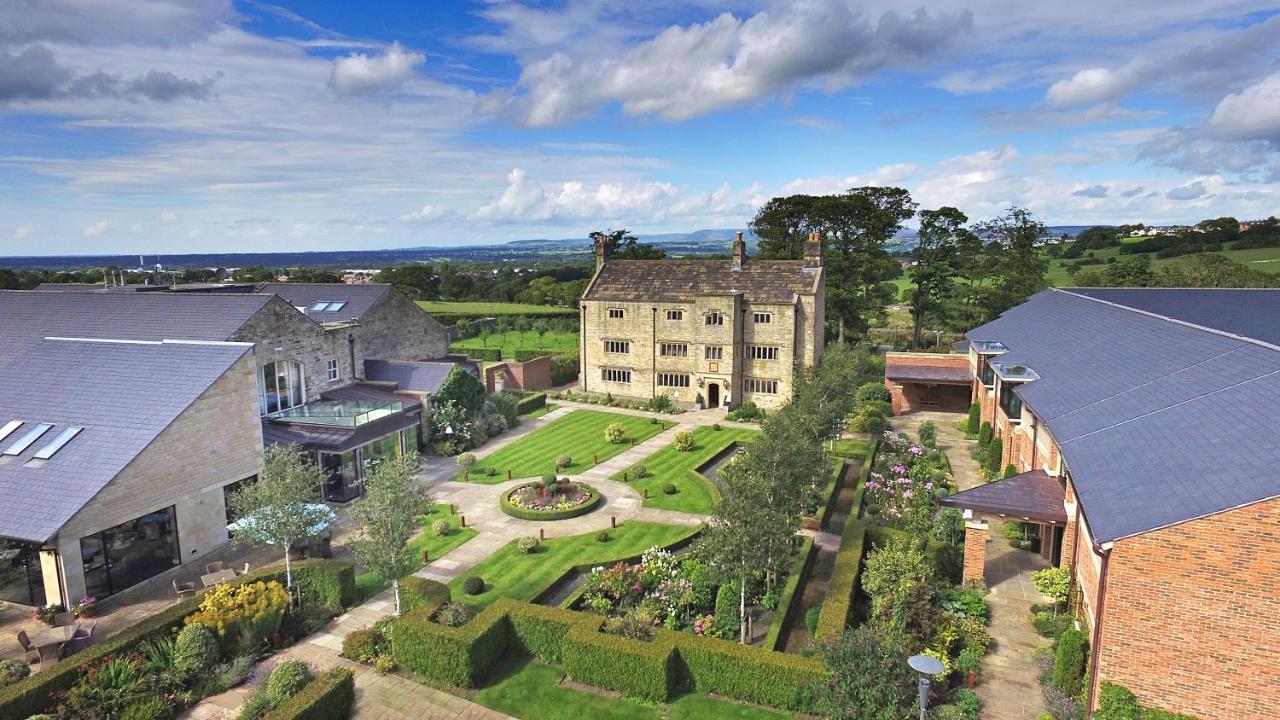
(339, 413)
(989, 347)
(1014, 372)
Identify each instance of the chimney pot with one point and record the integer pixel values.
(739, 252)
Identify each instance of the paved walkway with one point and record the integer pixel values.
(1008, 683)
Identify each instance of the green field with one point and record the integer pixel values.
(555, 343)
(441, 307)
(580, 435)
(512, 574)
(529, 689)
(693, 493)
(426, 540)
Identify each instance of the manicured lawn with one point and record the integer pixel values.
(529, 689)
(851, 448)
(513, 574)
(555, 343)
(486, 308)
(693, 492)
(580, 435)
(425, 540)
(538, 413)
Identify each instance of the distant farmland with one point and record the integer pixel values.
(473, 309)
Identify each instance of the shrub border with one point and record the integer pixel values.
(787, 605)
(591, 504)
(331, 695)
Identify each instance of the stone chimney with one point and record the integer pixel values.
(601, 249)
(813, 250)
(739, 252)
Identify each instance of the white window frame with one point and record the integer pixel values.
(675, 315)
(761, 386)
(334, 370)
(617, 347)
(615, 375)
(674, 380)
(714, 318)
(673, 349)
(713, 352)
(762, 318)
(763, 352)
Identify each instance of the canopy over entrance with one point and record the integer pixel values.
(1034, 495)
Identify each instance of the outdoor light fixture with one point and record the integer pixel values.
(925, 666)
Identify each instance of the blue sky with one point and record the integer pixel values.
(169, 126)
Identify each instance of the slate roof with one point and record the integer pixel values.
(122, 393)
(1248, 313)
(423, 377)
(774, 281)
(1159, 421)
(27, 317)
(1034, 494)
(927, 373)
(357, 298)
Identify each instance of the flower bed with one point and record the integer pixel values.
(906, 483)
(550, 499)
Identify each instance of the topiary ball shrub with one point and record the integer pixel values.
(360, 645)
(454, 615)
(615, 433)
(602, 536)
(196, 650)
(440, 528)
(528, 544)
(563, 462)
(683, 441)
(715, 427)
(286, 680)
(473, 585)
(639, 471)
(668, 489)
(491, 472)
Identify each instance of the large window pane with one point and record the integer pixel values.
(127, 554)
(283, 386)
(21, 580)
(343, 483)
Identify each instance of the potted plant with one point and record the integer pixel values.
(86, 608)
(967, 665)
(46, 613)
(697, 402)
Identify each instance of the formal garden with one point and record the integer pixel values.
(673, 478)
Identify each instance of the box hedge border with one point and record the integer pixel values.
(787, 609)
(330, 696)
(650, 670)
(529, 403)
(591, 504)
(320, 580)
(837, 607)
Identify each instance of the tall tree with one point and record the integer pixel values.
(942, 244)
(1019, 271)
(621, 244)
(387, 517)
(281, 508)
(855, 228)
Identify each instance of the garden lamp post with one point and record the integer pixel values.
(925, 666)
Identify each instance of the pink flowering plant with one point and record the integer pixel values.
(906, 483)
(557, 495)
(658, 590)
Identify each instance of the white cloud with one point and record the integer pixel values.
(428, 212)
(1097, 85)
(24, 232)
(300, 230)
(690, 70)
(358, 73)
(95, 229)
(895, 174)
(1091, 191)
(168, 218)
(1251, 114)
(1189, 191)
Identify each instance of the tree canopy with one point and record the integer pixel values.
(623, 245)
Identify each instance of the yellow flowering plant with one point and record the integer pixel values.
(242, 613)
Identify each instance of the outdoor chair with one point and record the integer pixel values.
(213, 567)
(64, 619)
(28, 650)
(244, 570)
(185, 589)
(83, 637)
(50, 654)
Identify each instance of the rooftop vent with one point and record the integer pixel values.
(29, 439)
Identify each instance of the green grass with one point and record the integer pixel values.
(512, 574)
(526, 688)
(442, 307)
(535, 414)
(580, 435)
(693, 492)
(556, 343)
(435, 545)
(851, 448)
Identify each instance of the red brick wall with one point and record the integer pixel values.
(534, 374)
(905, 396)
(1192, 616)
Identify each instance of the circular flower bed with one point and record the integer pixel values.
(550, 499)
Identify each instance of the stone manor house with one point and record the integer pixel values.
(712, 332)
(1144, 427)
(128, 414)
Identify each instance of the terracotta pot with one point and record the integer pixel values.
(971, 679)
(87, 613)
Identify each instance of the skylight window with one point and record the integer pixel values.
(328, 305)
(27, 440)
(320, 306)
(335, 306)
(61, 440)
(9, 427)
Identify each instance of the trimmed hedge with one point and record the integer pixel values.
(330, 696)
(485, 354)
(1069, 661)
(837, 607)
(523, 355)
(419, 592)
(653, 670)
(785, 611)
(524, 514)
(529, 403)
(321, 581)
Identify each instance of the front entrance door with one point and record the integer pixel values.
(713, 395)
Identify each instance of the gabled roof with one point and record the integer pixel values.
(354, 300)
(27, 317)
(774, 281)
(1159, 421)
(124, 394)
(1248, 313)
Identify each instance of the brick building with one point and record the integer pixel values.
(719, 332)
(126, 417)
(1143, 424)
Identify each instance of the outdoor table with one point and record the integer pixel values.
(53, 635)
(214, 578)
